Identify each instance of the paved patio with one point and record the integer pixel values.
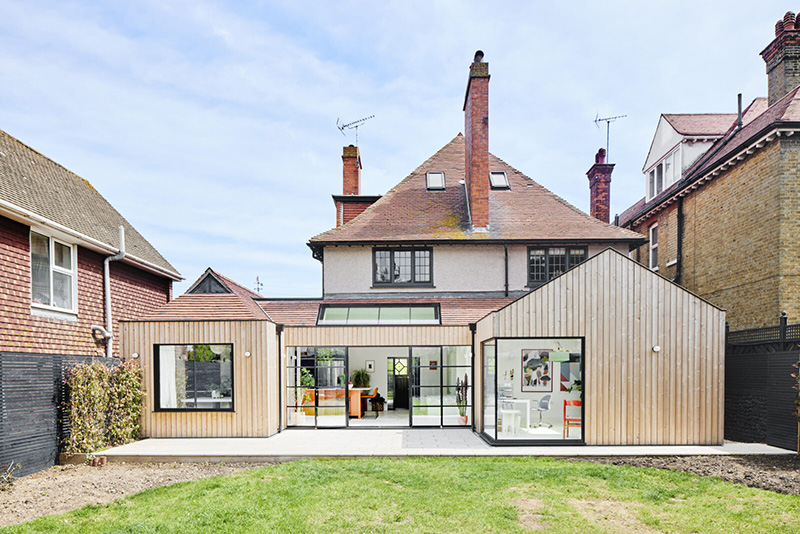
(293, 444)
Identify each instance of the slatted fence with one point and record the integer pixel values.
(32, 425)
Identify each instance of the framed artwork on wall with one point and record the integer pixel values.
(370, 366)
(537, 371)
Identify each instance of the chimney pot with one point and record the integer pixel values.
(788, 21)
(601, 156)
(778, 28)
(782, 58)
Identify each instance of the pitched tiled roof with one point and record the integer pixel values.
(34, 183)
(454, 311)
(235, 306)
(755, 118)
(700, 123)
(527, 211)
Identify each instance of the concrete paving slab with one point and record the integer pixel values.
(293, 444)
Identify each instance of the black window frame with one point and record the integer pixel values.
(392, 251)
(546, 248)
(157, 380)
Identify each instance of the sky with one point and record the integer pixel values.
(211, 125)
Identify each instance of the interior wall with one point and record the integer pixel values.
(358, 359)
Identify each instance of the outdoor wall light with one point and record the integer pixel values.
(135, 355)
(656, 348)
(247, 354)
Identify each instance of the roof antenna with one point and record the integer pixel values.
(352, 125)
(259, 285)
(608, 121)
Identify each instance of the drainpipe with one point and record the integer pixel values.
(279, 331)
(108, 331)
(679, 267)
(472, 328)
(506, 252)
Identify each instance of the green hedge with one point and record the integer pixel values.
(104, 406)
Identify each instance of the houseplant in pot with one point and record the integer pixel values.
(360, 378)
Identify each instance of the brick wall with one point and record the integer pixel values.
(134, 292)
(733, 244)
(476, 118)
(347, 211)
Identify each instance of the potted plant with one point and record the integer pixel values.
(306, 390)
(360, 378)
(577, 385)
(461, 398)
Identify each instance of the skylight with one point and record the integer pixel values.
(420, 314)
(435, 180)
(498, 180)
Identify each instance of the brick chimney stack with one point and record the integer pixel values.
(600, 187)
(476, 127)
(782, 57)
(351, 171)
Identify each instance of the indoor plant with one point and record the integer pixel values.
(360, 378)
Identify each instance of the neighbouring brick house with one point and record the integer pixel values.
(56, 231)
(722, 203)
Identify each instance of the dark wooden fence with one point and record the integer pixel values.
(759, 387)
(32, 425)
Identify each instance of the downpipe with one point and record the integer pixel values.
(108, 331)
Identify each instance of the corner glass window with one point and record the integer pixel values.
(435, 180)
(533, 389)
(194, 377)
(402, 266)
(498, 180)
(53, 267)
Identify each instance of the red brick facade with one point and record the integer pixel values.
(347, 211)
(133, 293)
(351, 171)
(476, 117)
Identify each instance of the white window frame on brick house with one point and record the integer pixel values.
(663, 174)
(435, 180)
(58, 273)
(653, 247)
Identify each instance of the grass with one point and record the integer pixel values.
(440, 495)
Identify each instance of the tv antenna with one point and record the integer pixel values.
(608, 121)
(259, 285)
(352, 125)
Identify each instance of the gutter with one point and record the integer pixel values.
(107, 332)
(19, 214)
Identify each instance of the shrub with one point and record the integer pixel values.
(103, 405)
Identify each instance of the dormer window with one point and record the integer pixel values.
(435, 181)
(498, 180)
(663, 174)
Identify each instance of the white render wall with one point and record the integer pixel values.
(456, 268)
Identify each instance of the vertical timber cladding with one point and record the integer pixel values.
(255, 378)
(633, 394)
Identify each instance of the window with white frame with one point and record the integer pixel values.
(654, 247)
(498, 180)
(435, 180)
(53, 273)
(665, 173)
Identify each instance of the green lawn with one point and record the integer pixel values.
(440, 495)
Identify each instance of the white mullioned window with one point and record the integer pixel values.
(53, 273)
(654, 247)
(663, 174)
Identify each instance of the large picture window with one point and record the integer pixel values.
(546, 263)
(53, 266)
(402, 266)
(194, 377)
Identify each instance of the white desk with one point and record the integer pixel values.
(211, 402)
